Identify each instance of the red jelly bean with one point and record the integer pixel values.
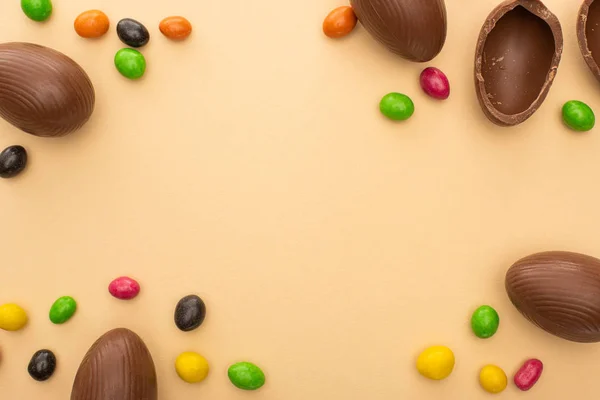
(435, 83)
(124, 288)
(528, 374)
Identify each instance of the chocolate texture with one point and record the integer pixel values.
(517, 56)
(588, 34)
(118, 366)
(42, 91)
(559, 292)
(415, 30)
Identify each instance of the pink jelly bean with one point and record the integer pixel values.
(435, 83)
(124, 288)
(529, 374)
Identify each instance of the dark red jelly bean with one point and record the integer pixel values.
(435, 83)
(528, 374)
(124, 288)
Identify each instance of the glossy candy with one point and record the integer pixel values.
(62, 310)
(528, 374)
(37, 10)
(190, 313)
(42, 365)
(578, 116)
(493, 379)
(435, 83)
(485, 322)
(130, 63)
(124, 288)
(436, 362)
(397, 106)
(92, 24)
(246, 376)
(191, 367)
(13, 160)
(339, 22)
(132, 32)
(12, 317)
(175, 28)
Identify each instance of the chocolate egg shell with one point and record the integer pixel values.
(516, 59)
(559, 292)
(118, 366)
(588, 34)
(413, 29)
(42, 91)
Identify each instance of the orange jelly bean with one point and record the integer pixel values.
(176, 28)
(91, 24)
(340, 22)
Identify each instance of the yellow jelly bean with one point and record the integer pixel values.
(12, 317)
(191, 367)
(492, 379)
(436, 362)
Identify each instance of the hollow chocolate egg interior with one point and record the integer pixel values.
(588, 34)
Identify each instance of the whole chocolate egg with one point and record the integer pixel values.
(42, 91)
(559, 292)
(117, 366)
(413, 29)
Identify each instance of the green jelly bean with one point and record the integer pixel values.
(37, 10)
(578, 116)
(62, 310)
(485, 322)
(130, 63)
(246, 376)
(397, 106)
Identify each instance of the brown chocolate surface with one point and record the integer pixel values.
(588, 34)
(415, 30)
(118, 366)
(516, 59)
(42, 91)
(559, 292)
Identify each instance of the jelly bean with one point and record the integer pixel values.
(124, 288)
(191, 367)
(435, 83)
(397, 106)
(130, 63)
(339, 22)
(132, 32)
(63, 309)
(12, 317)
(176, 28)
(37, 10)
(91, 24)
(189, 313)
(493, 379)
(528, 374)
(485, 322)
(42, 365)
(436, 362)
(578, 116)
(13, 160)
(246, 376)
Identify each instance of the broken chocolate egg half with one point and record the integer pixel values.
(516, 59)
(413, 29)
(588, 34)
(117, 366)
(559, 292)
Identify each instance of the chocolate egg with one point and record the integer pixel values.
(559, 292)
(588, 34)
(42, 91)
(516, 59)
(413, 29)
(117, 366)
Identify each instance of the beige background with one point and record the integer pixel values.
(251, 166)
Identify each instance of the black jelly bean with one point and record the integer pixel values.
(42, 365)
(132, 32)
(189, 313)
(13, 160)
